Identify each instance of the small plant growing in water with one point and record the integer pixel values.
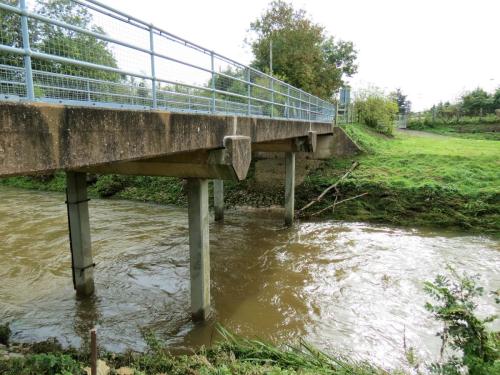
(5, 333)
(463, 331)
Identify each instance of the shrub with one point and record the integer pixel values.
(376, 110)
(462, 329)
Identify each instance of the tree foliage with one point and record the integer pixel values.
(303, 55)
(59, 41)
(478, 102)
(377, 110)
(404, 105)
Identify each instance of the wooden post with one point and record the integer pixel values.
(93, 351)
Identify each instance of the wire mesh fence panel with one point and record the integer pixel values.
(86, 53)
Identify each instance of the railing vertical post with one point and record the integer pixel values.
(300, 105)
(272, 97)
(153, 71)
(30, 91)
(249, 92)
(212, 63)
(309, 107)
(287, 102)
(88, 91)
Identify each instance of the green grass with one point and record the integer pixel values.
(412, 180)
(231, 355)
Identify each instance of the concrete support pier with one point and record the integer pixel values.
(79, 233)
(219, 200)
(199, 247)
(289, 187)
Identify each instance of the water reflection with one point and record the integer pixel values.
(353, 287)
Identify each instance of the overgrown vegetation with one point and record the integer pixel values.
(376, 110)
(231, 355)
(469, 116)
(410, 180)
(463, 331)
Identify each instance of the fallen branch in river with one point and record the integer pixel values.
(354, 165)
(332, 206)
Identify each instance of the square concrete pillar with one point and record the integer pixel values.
(219, 200)
(199, 251)
(289, 187)
(79, 233)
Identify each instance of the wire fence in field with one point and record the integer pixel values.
(85, 53)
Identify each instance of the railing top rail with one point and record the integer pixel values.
(56, 64)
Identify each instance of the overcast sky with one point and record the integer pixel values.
(432, 49)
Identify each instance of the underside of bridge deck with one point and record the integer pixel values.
(42, 138)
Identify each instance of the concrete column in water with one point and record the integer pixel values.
(199, 247)
(219, 200)
(289, 187)
(79, 233)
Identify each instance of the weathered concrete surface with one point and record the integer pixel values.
(230, 163)
(42, 138)
(199, 251)
(79, 234)
(336, 144)
(269, 166)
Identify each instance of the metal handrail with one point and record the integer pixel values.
(264, 95)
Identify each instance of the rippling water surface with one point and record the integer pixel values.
(350, 287)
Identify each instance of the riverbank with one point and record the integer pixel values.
(409, 180)
(231, 355)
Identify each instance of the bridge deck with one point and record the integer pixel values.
(42, 138)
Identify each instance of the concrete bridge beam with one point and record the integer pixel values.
(199, 251)
(79, 233)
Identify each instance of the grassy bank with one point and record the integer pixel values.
(417, 180)
(409, 180)
(231, 355)
(473, 128)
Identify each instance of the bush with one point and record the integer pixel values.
(462, 329)
(376, 110)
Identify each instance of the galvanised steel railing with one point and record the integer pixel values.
(84, 52)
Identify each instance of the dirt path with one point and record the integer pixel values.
(422, 134)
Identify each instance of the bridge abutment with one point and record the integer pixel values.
(199, 250)
(79, 233)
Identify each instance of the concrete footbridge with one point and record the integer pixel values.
(106, 93)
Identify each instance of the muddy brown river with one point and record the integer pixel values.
(353, 288)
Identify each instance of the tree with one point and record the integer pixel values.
(375, 109)
(404, 105)
(303, 55)
(477, 102)
(496, 99)
(59, 41)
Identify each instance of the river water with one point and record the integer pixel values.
(353, 288)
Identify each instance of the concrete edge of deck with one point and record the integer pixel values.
(42, 138)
